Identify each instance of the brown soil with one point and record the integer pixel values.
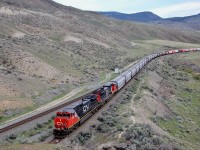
(5, 90)
(27, 63)
(149, 104)
(14, 104)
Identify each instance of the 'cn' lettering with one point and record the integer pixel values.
(85, 108)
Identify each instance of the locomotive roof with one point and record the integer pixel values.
(108, 83)
(69, 110)
(75, 104)
(92, 96)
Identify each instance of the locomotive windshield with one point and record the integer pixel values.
(59, 114)
(63, 115)
(66, 115)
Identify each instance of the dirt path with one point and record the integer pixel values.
(133, 103)
(138, 89)
(142, 114)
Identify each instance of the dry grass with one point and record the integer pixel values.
(29, 147)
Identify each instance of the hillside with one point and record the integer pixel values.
(47, 49)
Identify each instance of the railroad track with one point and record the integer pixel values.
(55, 141)
(24, 121)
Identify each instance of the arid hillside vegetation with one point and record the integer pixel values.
(47, 49)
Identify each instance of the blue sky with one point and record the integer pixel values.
(163, 8)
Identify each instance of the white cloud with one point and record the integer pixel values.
(94, 5)
(159, 7)
(184, 9)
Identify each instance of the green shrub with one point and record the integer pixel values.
(102, 128)
(119, 127)
(43, 138)
(13, 136)
(188, 70)
(196, 76)
(50, 126)
(39, 125)
(156, 140)
(110, 123)
(101, 119)
(32, 132)
(82, 137)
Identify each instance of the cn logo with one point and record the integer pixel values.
(85, 108)
(59, 123)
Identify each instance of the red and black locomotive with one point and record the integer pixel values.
(72, 115)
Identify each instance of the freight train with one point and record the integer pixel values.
(73, 115)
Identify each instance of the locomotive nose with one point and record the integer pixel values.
(60, 123)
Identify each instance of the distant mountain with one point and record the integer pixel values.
(184, 19)
(188, 22)
(139, 17)
(185, 23)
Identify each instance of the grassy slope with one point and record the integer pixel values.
(185, 104)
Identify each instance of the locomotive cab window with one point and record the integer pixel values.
(59, 114)
(67, 115)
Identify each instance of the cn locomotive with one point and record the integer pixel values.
(73, 115)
